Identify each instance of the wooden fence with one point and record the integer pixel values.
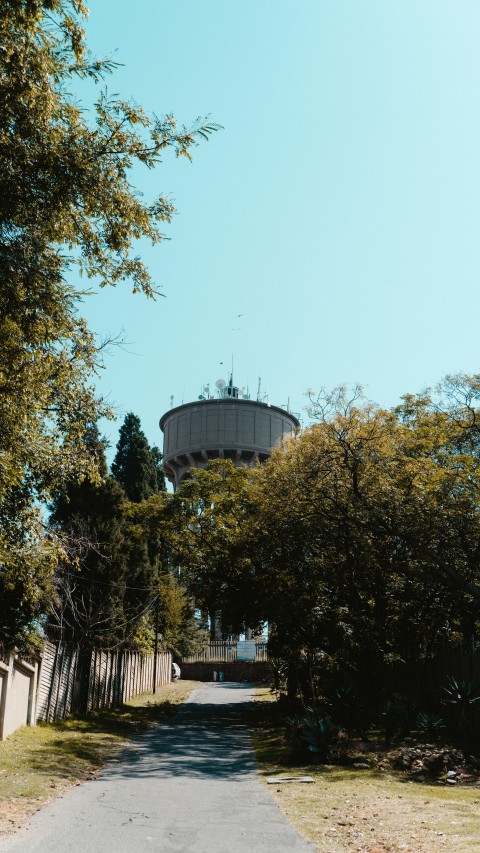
(461, 663)
(221, 651)
(72, 681)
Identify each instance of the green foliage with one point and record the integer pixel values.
(181, 629)
(399, 716)
(153, 523)
(294, 735)
(366, 529)
(430, 725)
(351, 710)
(137, 466)
(321, 735)
(108, 581)
(118, 576)
(91, 581)
(65, 170)
(312, 734)
(200, 529)
(67, 208)
(461, 694)
(462, 698)
(210, 513)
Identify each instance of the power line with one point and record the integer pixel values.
(137, 616)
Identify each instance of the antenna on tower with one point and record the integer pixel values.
(259, 387)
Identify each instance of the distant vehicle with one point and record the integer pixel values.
(175, 671)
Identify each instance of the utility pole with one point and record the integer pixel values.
(155, 653)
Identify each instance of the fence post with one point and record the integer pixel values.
(52, 683)
(105, 683)
(60, 662)
(7, 669)
(155, 651)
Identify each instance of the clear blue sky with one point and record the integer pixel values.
(338, 211)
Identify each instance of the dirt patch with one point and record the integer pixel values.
(368, 810)
(352, 812)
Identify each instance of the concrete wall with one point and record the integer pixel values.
(242, 430)
(18, 686)
(236, 671)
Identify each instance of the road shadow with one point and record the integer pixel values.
(201, 740)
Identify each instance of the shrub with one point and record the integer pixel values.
(320, 735)
(399, 717)
(351, 711)
(311, 734)
(430, 725)
(463, 698)
(295, 735)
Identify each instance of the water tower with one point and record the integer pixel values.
(228, 425)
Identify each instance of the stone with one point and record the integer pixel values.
(280, 780)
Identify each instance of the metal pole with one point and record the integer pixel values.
(155, 649)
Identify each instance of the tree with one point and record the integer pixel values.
(181, 628)
(114, 572)
(106, 581)
(441, 509)
(210, 514)
(90, 606)
(369, 530)
(67, 204)
(156, 521)
(137, 466)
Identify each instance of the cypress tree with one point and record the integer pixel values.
(90, 583)
(110, 574)
(137, 466)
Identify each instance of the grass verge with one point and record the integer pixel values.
(368, 811)
(40, 762)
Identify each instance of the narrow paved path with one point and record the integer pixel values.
(187, 786)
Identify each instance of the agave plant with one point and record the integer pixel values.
(295, 727)
(430, 725)
(349, 709)
(311, 733)
(320, 734)
(461, 693)
(464, 697)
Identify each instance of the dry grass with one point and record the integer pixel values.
(368, 811)
(40, 762)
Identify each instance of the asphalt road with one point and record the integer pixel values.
(187, 786)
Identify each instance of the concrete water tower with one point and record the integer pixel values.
(227, 426)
